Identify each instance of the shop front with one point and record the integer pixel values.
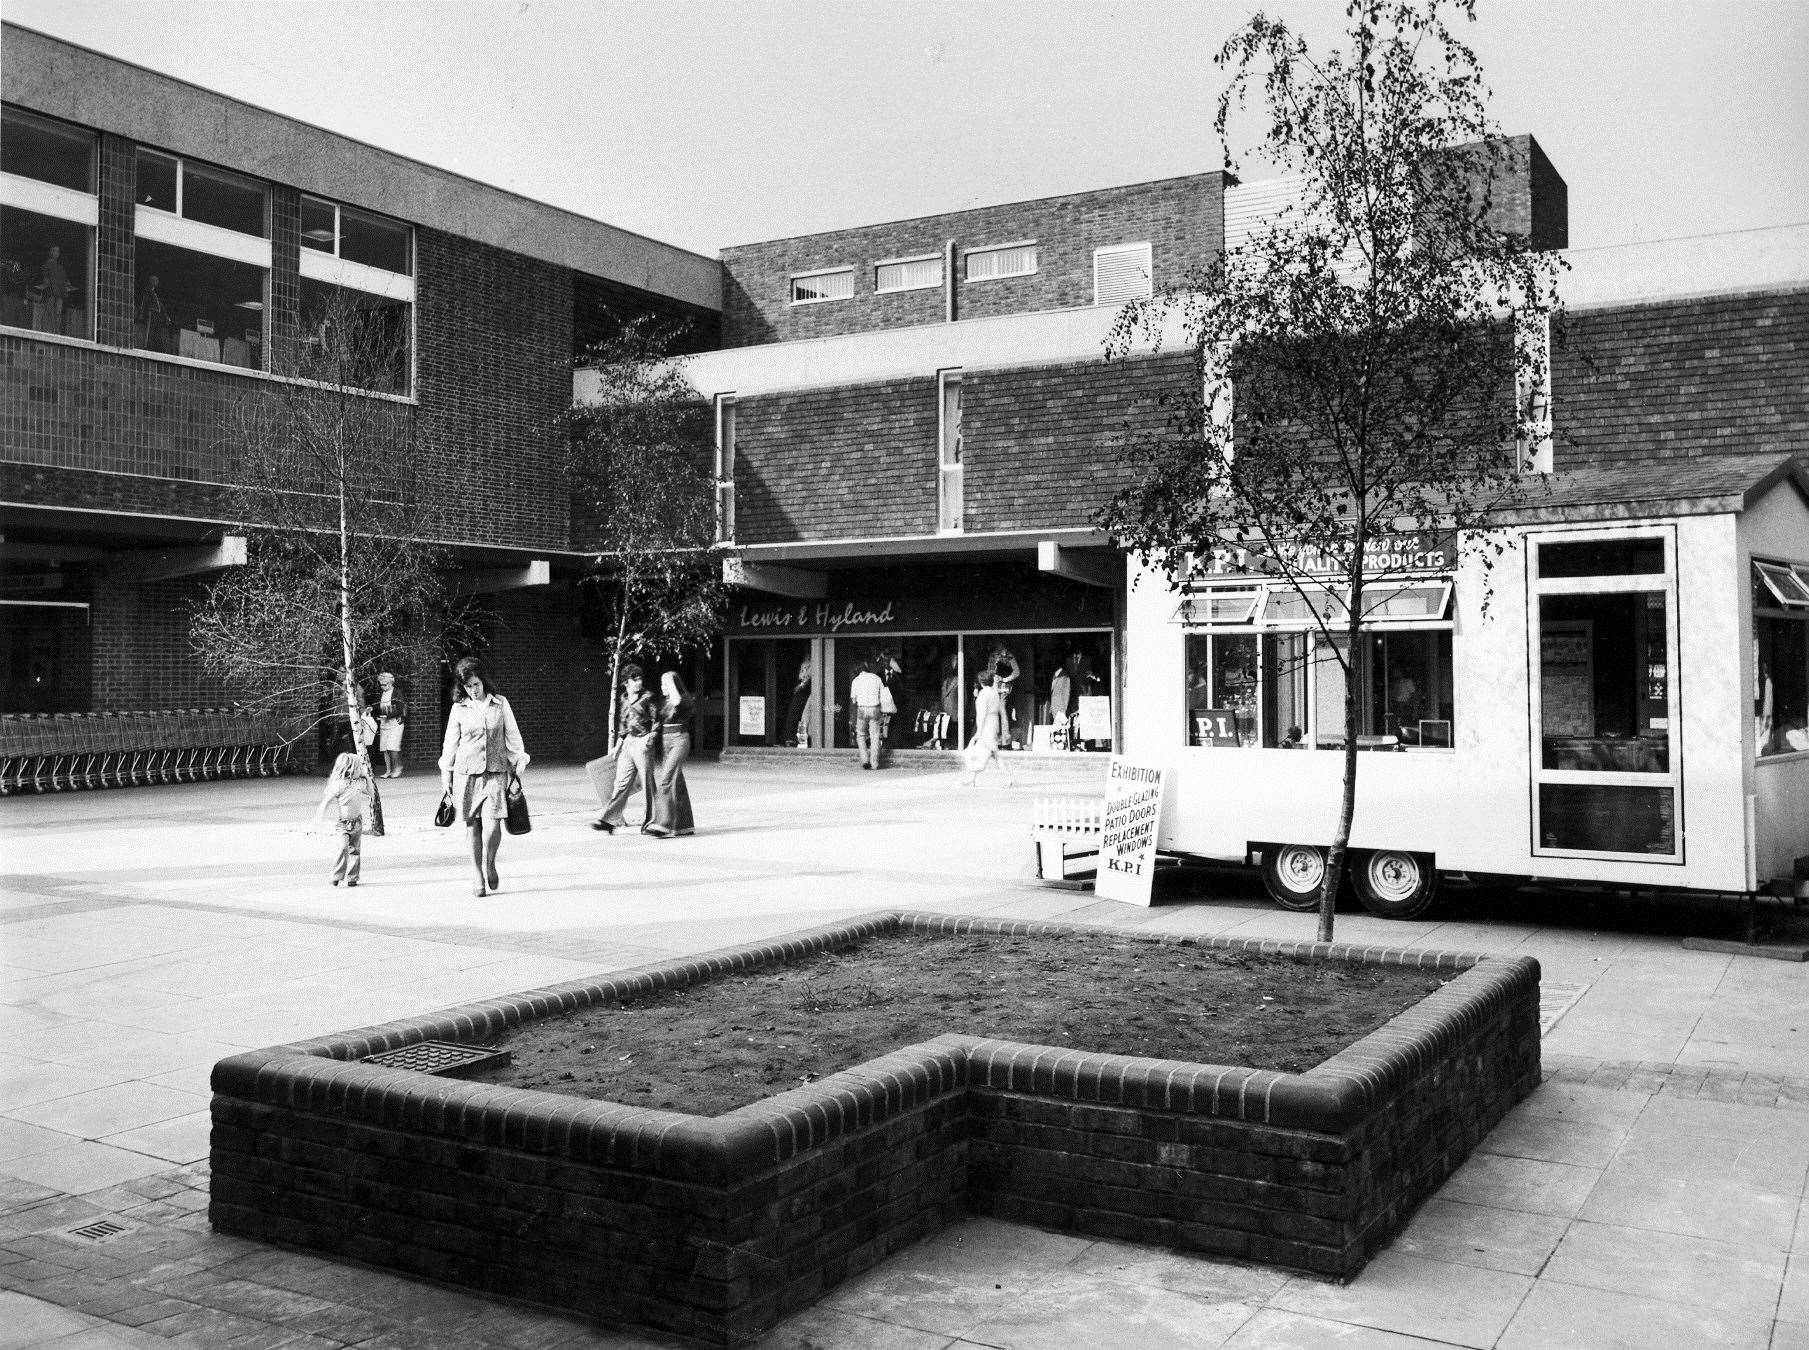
(929, 633)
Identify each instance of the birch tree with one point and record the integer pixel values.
(640, 455)
(342, 579)
(1369, 360)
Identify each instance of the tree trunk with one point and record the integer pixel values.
(1347, 806)
(345, 616)
(615, 663)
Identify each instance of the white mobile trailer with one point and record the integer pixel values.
(1627, 709)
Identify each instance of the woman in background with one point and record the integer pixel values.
(671, 798)
(392, 716)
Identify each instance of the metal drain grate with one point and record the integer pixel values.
(441, 1057)
(100, 1230)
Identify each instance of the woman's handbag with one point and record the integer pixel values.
(516, 822)
(444, 814)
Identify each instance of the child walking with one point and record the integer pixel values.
(349, 789)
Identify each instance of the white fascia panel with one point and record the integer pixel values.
(333, 271)
(1004, 342)
(163, 228)
(47, 199)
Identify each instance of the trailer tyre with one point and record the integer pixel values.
(1395, 884)
(1293, 874)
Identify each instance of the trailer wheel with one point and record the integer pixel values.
(1293, 874)
(1395, 884)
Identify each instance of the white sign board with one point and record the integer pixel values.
(1095, 720)
(1127, 848)
(753, 715)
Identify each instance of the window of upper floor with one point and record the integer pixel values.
(1122, 273)
(201, 261)
(49, 211)
(357, 297)
(810, 288)
(356, 236)
(908, 274)
(999, 261)
(202, 193)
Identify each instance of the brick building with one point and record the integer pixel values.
(161, 247)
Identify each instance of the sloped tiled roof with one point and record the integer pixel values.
(1684, 486)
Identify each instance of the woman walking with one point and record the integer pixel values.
(989, 718)
(392, 716)
(671, 798)
(482, 750)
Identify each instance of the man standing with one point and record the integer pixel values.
(637, 723)
(867, 692)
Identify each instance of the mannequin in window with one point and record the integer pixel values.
(1404, 708)
(157, 331)
(52, 291)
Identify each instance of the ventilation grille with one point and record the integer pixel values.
(441, 1057)
(1121, 274)
(1253, 205)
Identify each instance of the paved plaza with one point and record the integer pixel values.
(1650, 1194)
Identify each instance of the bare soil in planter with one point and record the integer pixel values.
(737, 1038)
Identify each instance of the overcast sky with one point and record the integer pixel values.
(722, 122)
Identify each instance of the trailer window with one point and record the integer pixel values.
(1780, 635)
(1286, 690)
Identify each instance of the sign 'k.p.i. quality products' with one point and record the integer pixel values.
(1127, 848)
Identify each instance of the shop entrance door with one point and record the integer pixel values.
(771, 681)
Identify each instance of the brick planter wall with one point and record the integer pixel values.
(715, 1228)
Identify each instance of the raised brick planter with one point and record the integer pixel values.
(715, 1228)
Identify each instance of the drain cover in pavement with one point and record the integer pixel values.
(441, 1057)
(1555, 1000)
(98, 1230)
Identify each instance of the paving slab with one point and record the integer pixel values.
(1674, 1125)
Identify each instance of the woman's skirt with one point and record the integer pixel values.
(480, 796)
(389, 737)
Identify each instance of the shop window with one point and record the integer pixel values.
(45, 275)
(991, 264)
(199, 305)
(45, 657)
(1223, 703)
(1604, 653)
(908, 274)
(949, 478)
(816, 287)
(1780, 696)
(351, 337)
(46, 151)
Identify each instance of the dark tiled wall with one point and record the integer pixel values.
(494, 336)
(1182, 218)
(829, 463)
(1043, 443)
(141, 648)
(113, 262)
(285, 277)
(1041, 448)
(1727, 375)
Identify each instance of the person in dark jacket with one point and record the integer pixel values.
(392, 717)
(637, 731)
